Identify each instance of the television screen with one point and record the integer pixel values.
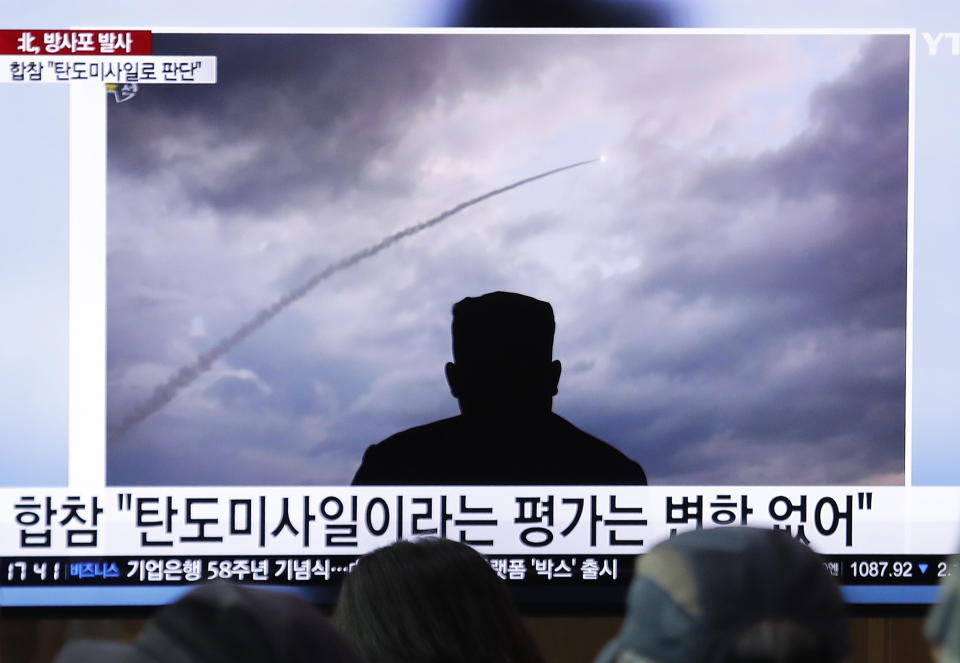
(556, 294)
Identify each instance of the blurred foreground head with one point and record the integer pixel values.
(731, 595)
(225, 623)
(943, 623)
(431, 601)
(564, 14)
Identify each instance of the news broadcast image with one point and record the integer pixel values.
(221, 288)
(728, 272)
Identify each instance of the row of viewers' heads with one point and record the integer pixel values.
(728, 595)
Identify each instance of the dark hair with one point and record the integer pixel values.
(431, 601)
(501, 325)
(223, 622)
(563, 14)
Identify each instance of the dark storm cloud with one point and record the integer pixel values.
(299, 109)
(296, 114)
(855, 155)
(837, 304)
(854, 148)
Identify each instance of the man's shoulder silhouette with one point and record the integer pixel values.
(455, 452)
(504, 378)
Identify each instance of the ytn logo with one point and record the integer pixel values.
(942, 39)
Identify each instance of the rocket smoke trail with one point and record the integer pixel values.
(187, 374)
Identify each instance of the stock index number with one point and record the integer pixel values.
(882, 569)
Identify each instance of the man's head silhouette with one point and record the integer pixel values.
(503, 356)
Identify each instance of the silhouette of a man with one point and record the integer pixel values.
(505, 378)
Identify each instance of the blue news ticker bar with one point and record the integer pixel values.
(24, 597)
(890, 594)
(37, 597)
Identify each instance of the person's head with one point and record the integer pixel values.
(943, 623)
(731, 595)
(225, 623)
(431, 601)
(503, 354)
(562, 14)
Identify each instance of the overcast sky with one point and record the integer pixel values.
(729, 286)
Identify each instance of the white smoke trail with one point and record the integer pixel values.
(187, 374)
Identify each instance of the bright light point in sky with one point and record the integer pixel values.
(603, 158)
